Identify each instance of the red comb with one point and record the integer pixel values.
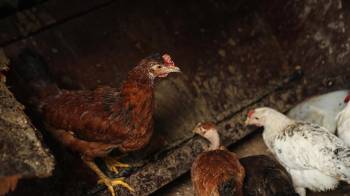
(167, 60)
(250, 113)
(347, 99)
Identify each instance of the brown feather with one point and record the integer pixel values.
(104, 117)
(212, 169)
(8, 184)
(89, 150)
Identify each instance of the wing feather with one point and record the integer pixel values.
(305, 146)
(91, 115)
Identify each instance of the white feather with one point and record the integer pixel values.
(343, 125)
(321, 109)
(315, 158)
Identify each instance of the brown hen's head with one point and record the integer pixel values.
(203, 127)
(209, 131)
(158, 65)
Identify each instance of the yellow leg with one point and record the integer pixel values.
(110, 183)
(113, 165)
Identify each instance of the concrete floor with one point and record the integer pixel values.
(252, 145)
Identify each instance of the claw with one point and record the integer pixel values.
(113, 165)
(111, 183)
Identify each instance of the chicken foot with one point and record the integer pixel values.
(108, 182)
(113, 164)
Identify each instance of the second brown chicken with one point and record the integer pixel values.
(216, 171)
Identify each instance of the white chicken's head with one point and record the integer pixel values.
(159, 65)
(256, 117)
(204, 127)
(263, 116)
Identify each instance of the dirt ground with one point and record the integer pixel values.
(252, 145)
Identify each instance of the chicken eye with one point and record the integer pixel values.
(256, 118)
(156, 66)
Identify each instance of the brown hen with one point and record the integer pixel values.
(218, 171)
(95, 122)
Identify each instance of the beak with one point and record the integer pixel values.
(167, 70)
(195, 130)
(170, 69)
(246, 122)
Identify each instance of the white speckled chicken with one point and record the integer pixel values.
(343, 122)
(315, 158)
